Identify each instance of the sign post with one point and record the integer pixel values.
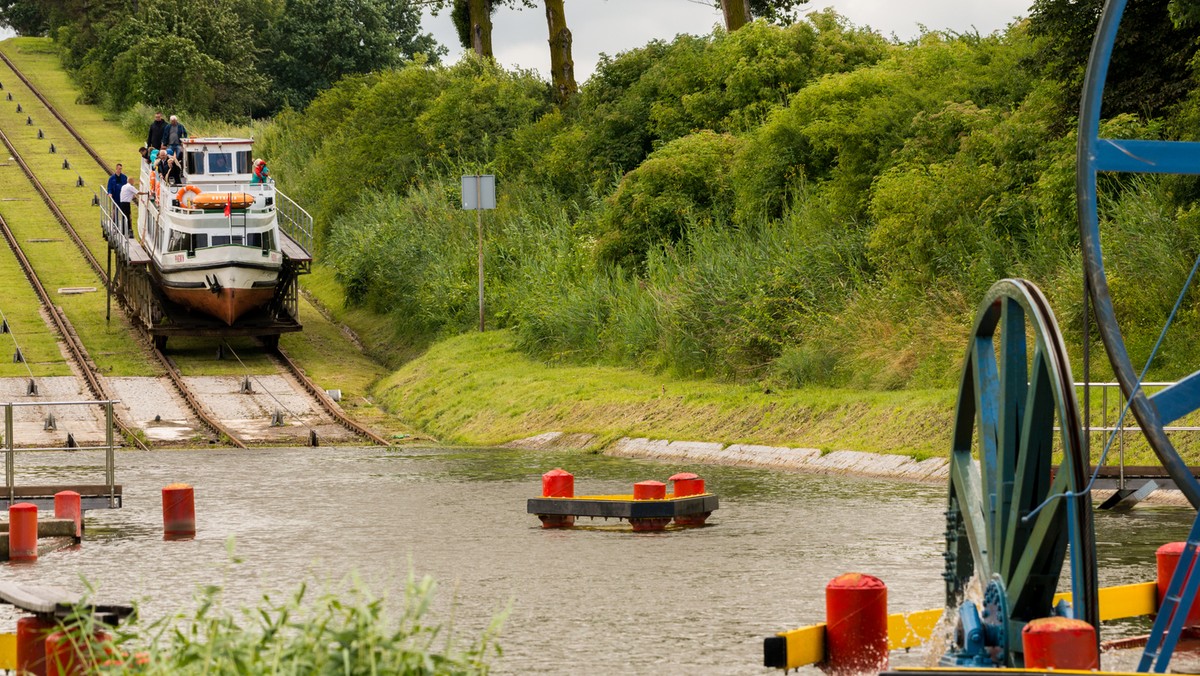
(479, 193)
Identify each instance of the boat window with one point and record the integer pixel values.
(262, 240)
(195, 163)
(221, 240)
(243, 161)
(186, 241)
(219, 163)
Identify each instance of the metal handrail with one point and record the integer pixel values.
(294, 220)
(109, 447)
(1122, 428)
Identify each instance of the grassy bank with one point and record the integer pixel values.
(478, 389)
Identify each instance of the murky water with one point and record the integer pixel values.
(595, 600)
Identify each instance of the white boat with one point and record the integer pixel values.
(213, 237)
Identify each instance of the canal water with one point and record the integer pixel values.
(597, 600)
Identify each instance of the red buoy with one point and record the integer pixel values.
(558, 483)
(179, 512)
(856, 637)
(31, 645)
(649, 490)
(68, 654)
(687, 484)
(22, 532)
(1060, 643)
(1167, 559)
(67, 506)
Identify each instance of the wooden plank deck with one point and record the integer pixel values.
(292, 249)
(55, 603)
(137, 253)
(91, 496)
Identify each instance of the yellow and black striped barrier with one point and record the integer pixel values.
(806, 645)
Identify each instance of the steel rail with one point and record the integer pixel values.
(78, 353)
(169, 366)
(325, 402)
(87, 147)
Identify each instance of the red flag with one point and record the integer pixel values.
(229, 204)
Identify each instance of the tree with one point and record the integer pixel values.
(26, 17)
(740, 12)
(311, 44)
(562, 66)
(737, 13)
(1064, 29)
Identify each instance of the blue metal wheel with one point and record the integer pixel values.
(1096, 155)
(1003, 467)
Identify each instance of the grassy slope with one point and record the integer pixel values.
(478, 389)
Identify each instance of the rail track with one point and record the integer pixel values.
(75, 349)
(172, 370)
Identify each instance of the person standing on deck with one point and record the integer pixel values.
(261, 173)
(173, 135)
(115, 183)
(155, 137)
(128, 192)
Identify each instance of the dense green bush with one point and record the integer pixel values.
(687, 182)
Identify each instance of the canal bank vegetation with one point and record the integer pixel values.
(354, 632)
(805, 213)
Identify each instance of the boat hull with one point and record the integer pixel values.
(225, 304)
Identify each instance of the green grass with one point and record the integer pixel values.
(477, 389)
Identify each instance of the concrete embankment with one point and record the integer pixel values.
(849, 463)
(748, 455)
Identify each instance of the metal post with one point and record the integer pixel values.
(479, 231)
(109, 464)
(1121, 441)
(108, 300)
(9, 464)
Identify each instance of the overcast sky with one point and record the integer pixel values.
(614, 26)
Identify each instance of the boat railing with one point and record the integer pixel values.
(11, 449)
(294, 220)
(115, 226)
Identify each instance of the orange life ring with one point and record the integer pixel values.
(184, 190)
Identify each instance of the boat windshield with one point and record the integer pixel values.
(198, 162)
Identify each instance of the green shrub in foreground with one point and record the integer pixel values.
(350, 633)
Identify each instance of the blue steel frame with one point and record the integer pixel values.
(1095, 155)
(1001, 465)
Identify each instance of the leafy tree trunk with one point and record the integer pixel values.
(562, 66)
(480, 12)
(737, 13)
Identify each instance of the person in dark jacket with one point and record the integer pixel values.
(115, 183)
(155, 137)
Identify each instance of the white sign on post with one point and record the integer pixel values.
(479, 192)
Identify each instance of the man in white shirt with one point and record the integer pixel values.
(129, 191)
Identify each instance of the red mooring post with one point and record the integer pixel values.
(1167, 559)
(1060, 643)
(67, 654)
(649, 490)
(22, 532)
(67, 506)
(686, 484)
(31, 645)
(179, 512)
(856, 636)
(557, 483)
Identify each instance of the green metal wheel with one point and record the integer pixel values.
(1003, 466)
